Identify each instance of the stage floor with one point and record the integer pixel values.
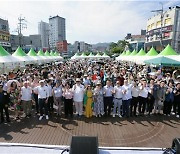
(14, 148)
(151, 131)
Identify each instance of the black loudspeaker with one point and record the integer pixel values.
(176, 145)
(84, 145)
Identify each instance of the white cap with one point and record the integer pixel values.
(41, 81)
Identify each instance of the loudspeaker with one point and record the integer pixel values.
(176, 145)
(84, 145)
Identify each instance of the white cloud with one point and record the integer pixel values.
(90, 21)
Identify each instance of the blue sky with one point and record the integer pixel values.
(89, 21)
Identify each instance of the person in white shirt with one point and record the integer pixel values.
(143, 95)
(50, 99)
(118, 93)
(57, 95)
(78, 90)
(26, 98)
(108, 97)
(135, 99)
(127, 96)
(43, 95)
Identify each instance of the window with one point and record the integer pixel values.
(158, 24)
(152, 26)
(3, 27)
(167, 21)
(149, 28)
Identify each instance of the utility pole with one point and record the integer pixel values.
(161, 12)
(21, 25)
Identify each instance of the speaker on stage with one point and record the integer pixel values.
(84, 145)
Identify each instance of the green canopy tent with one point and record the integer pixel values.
(51, 53)
(3, 52)
(152, 52)
(164, 61)
(56, 53)
(19, 52)
(123, 53)
(105, 55)
(48, 56)
(42, 56)
(168, 51)
(98, 55)
(138, 57)
(47, 53)
(58, 57)
(76, 56)
(128, 53)
(83, 55)
(6, 59)
(22, 57)
(133, 53)
(32, 52)
(121, 56)
(33, 55)
(91, 55)
(40, 53)
(141, 53)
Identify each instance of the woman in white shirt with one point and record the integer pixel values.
(57, 95)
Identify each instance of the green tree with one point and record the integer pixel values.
(112, 45)
(123, 43)
(116, 49)
(119, 47)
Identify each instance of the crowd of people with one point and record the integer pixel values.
(89, 88)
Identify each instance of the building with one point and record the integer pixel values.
(169, 25)
(61, 46)
(5, 35)
(35, 42)
(70, 48)
(31, 41)
(136, 41)
(57, 31)
(82, 46)
(43, 30)
(76, 46)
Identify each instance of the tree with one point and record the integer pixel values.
(119, 47)
(116, 49)
(112, 45)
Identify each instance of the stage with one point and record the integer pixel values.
(14, 148)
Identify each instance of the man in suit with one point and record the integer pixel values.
(4, 100)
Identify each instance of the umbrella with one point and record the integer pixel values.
(10, 81)
(164, 61)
